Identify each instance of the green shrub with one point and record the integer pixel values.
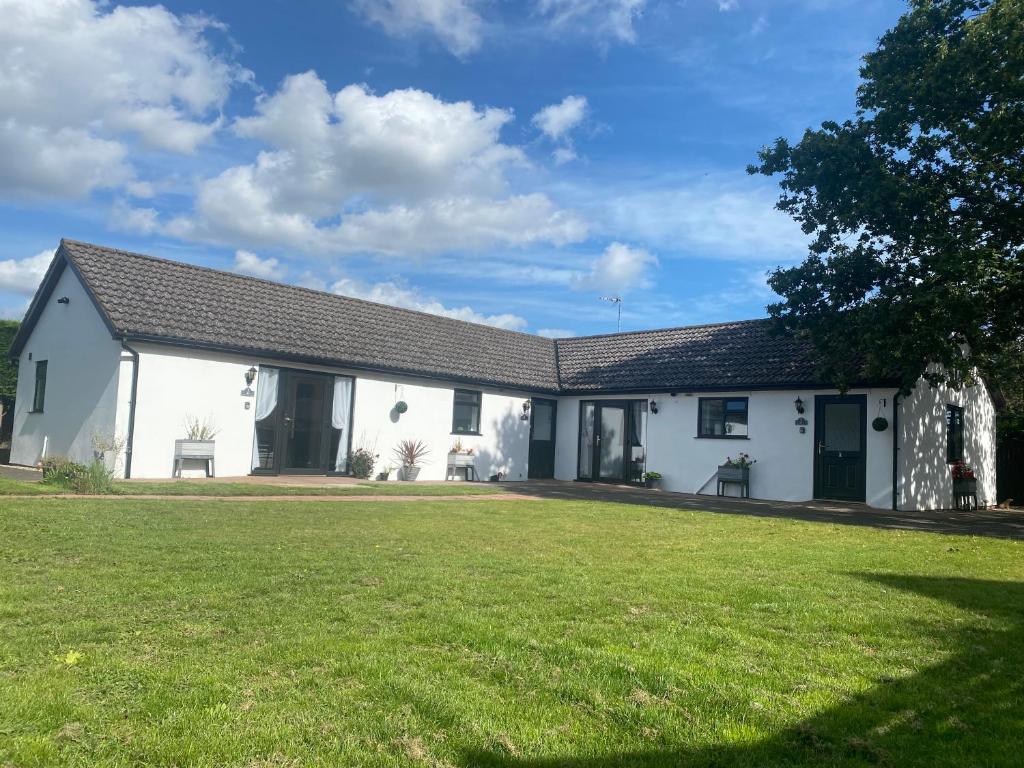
(361, 462)
(62, 471)
(97, 478)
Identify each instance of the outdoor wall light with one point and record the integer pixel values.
(653, 406)
(526, 410)
(799, 404)
(63, 300)
(250, 376)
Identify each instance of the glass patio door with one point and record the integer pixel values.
(305, 422)
(611, 442)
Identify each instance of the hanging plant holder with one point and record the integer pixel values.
(401, 406)
(880, 424)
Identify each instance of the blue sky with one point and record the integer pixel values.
(504, 162)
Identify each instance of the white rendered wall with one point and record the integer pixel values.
(81, 379)
(502, 445)
(785, 459)
(175, 383)
(927, 480)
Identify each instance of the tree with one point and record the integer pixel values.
(8, 370)
(915, 206)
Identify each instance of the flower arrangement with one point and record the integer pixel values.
(742, 461)
(962, 471)
(457, 448)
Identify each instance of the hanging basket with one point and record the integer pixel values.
(880, 424)
(401, 406)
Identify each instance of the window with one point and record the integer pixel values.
(954, 433)
(466, 412)
(722, 417)
(39, 394)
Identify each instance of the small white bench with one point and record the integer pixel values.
(193, 450)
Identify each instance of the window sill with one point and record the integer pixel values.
(721, 437)
(36, 411)
(467, 434)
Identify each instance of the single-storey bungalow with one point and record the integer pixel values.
(124, 345)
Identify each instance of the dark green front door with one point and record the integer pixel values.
(840, 447)
(542, 439)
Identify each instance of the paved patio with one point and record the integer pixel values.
(999, 523)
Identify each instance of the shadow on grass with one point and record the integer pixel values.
(966, 710)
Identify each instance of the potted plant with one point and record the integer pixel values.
(361, 462)
(736, 471)
(197, 445)
(964, 480)
(410, 454)
(652, 480)
(385, 473)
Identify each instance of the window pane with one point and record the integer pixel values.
(712, 420)
(736, 418)
(954, 433)
(542, 422)
(586, 441)
(466, 411)
(39, 395)
(842, 427)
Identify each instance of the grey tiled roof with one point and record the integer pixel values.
(148, 298)
(725, 355)
(154, 298)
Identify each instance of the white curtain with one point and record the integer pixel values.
(266, 402)
(339, 418)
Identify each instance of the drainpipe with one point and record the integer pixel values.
(130, 440)
(895, 451)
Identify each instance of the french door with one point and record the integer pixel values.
(302, 422)
(611, 443)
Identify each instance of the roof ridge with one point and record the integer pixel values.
(749, 321)
(303, 288)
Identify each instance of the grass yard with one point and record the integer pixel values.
(489, 633)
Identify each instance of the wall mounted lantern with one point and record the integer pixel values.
(250, 376)
(63, 300)
(526, 410)
(653, 406)
(799, 404)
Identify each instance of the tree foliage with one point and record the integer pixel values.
(915, 206)
(8, 370)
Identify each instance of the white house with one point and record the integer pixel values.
(117, 344)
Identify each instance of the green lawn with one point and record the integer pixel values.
(10, 487)
(513, 634)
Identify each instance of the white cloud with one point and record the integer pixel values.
(728, 5)
(77, 77)
(126, 218)
(401, 173)
(605, 20)
(711, 216)
(410, 298)
(455, 22)
(555, 333)
(24, 275)
(556, 120)
(618, 269)
(563, 155)
(248, 263)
